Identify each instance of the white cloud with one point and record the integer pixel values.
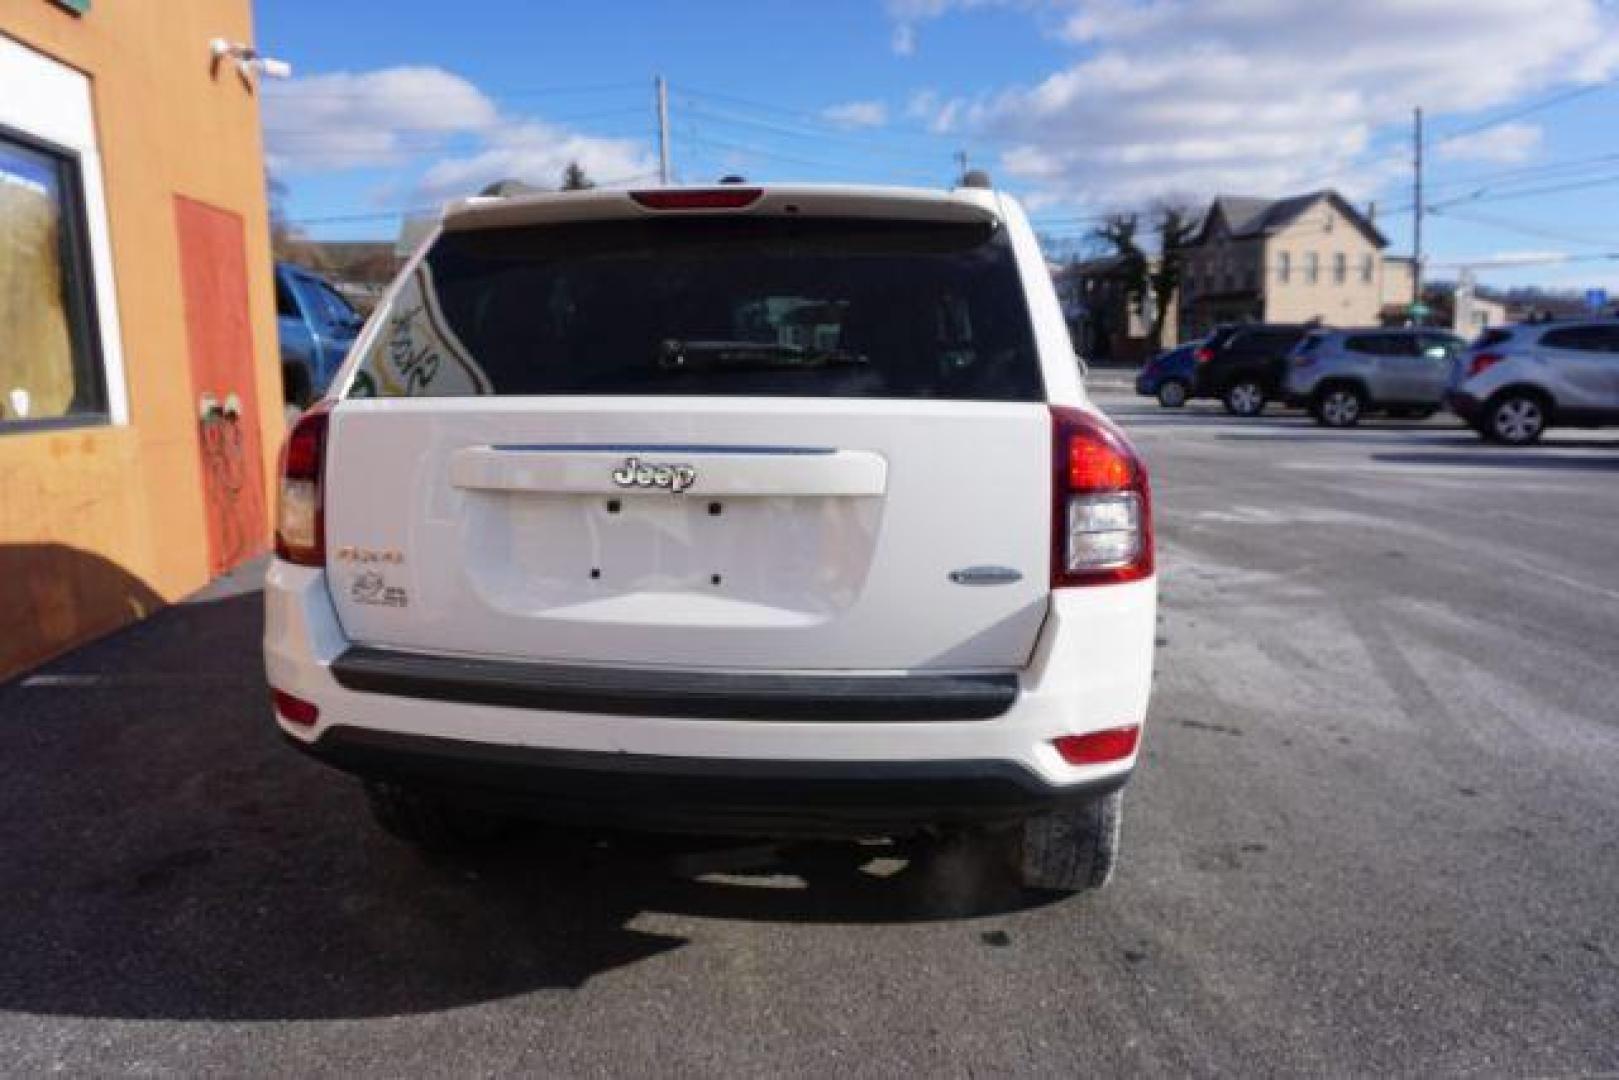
(401, 118)
(350, 120)
(537, 153)
(1262, 97)
(908, 15)
(1523, 258)
(856, 114)
(1505, 143)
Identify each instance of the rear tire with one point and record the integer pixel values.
(427, 822)
(1075, 849)
(1516, 418)
(1172, 394)
(1244, 398)
(1340, 406)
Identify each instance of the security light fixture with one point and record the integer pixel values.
(248, 60)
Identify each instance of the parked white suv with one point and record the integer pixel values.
(740, 510)
(1516, 381)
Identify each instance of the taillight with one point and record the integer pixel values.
(1303, 360)
(725, 198)
(1203, 354)
(1482, 363)
(1099, 747)
(294, 709)
(1101, 505)
(300, 520)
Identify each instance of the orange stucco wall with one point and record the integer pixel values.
(98, 525)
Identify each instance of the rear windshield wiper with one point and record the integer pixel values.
(677, 355)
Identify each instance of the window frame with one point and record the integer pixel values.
(1312, 268)
(1340, 268)
(83, 313)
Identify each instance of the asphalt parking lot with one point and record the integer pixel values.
(1376, 831)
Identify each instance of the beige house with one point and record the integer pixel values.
(1309, 257)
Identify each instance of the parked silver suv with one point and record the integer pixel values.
(1340, 375)
(1516, 381)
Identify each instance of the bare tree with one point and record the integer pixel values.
(1175, 223)
(288, 243)
(1117, 235)
(574, 178)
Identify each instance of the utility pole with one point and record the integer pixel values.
(663, 129)
(1416, 210)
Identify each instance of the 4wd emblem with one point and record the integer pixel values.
(646, 474)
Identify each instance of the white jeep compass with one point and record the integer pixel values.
(744, 510)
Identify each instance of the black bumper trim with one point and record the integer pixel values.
(676, 694)
(724, 795)
(1463, 405)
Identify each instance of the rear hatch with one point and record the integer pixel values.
(760, 438)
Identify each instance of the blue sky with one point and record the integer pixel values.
(1082, 107)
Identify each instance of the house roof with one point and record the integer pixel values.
(1248, 217)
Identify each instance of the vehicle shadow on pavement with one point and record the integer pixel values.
(162, 855)
(1494, 458)
(1413, 433)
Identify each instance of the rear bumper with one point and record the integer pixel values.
(705, 795)
(980, 739)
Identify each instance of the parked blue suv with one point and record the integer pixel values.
(317, 327)
(1168, 376)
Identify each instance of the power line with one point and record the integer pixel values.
(1550, 189)
(1536, 231)
(791, 159)
(846, 138)
(1532, 107)
(1527, 172)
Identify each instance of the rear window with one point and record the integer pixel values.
(780, 307)
(1310, 344)
(1492, 337)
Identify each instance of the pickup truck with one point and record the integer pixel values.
(316, 327)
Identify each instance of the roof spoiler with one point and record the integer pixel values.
(519, 208)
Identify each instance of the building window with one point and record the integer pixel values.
(50, 362)
(1366, 269)
(1312, 268)
(1284, 267)
(1340, 268)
